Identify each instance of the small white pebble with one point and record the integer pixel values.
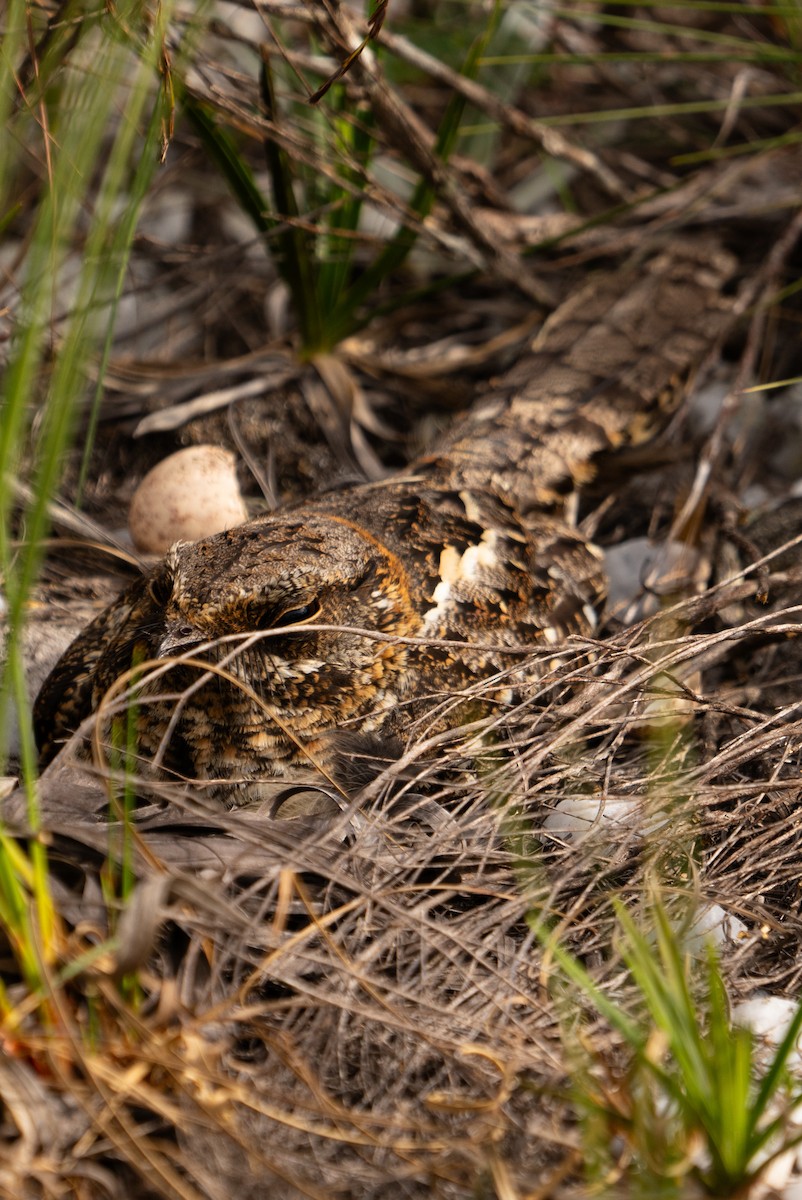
(793, 1189)
(612, 821)
(714, 926)
(768, 1017)
(574, 819)
(639, 561)
(190, 495)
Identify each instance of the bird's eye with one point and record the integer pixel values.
(294, 616)
(290, 616)
(160, 587)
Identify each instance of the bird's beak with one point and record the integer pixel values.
(179, 640)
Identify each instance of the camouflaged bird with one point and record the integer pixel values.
(336, 617)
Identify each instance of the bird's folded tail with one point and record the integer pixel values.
(606, 370)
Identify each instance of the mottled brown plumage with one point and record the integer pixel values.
(338, 616)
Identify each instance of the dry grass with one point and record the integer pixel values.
(335, 1002)
(351, 1001)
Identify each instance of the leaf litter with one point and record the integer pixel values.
(339, 995)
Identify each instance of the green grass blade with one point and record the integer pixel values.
(345, 319)
(778, 1068)
(91, 118)
(354, 145)
(578, 975)
(223, 152)
(295, 254)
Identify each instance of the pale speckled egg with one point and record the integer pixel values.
(189, 495)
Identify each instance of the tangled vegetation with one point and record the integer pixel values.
(313, 236)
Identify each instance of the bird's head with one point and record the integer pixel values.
(283, 599)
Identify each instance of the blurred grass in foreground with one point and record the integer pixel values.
(89, 110)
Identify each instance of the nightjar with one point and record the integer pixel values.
(278, 642)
